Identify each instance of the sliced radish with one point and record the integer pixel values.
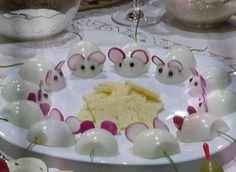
(134, 129)
(86, 125)
(56, 115)
(178, 121)
(73, 123)
(109, 126)
(3, 166)
(191, 110)
(157, 123)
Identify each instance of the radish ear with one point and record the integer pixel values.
(141, 55)
(32, 97)
(176, 64)
(204, 102)
(56, 115)
(74, 60)
(157, 60)
(194, 71)
(116, 55)
(97, 56)
(45, 107)
(48, 77)
(59, 65)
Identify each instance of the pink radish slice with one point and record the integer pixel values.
(157, 123)
(86, 125)
(56, 115)
(134, 129)
(73, 123)
(191, 110)
(178, 121)
(109, 126)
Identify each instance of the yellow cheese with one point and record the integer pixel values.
(121, 103)
(147, 92)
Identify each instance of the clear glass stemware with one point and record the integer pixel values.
(149, 14)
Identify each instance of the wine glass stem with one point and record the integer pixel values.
(137, 3)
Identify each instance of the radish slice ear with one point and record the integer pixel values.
(45, 107)
(116, 55)
(176, 64)
(59, 65)
(194, 71)
(86, 125)
(73, 123)
(141, 55)
(157, 60)
(74, 60)
(32, 97)
(178, 121)
(97, 56)
(191, 110)
(48, 77)
(157, 123)
(56, 114)
(109, 126)
(204, 102)
(134, 129)
(3, 166)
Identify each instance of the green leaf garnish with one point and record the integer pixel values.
(12, 65)
(3, 119)
(91, 155)
(137, 26)
(223, 133)
(171, 161)
(78, 35)
(29, 147)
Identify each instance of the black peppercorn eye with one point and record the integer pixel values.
(82, 67)
(131, 64)
(55, 78)
(120, 65)
(191, 79)
(61, 73)
(92, 67)
(170, 73)
(160, 70)
(45, 95)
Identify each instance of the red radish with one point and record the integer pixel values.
(3, 166)
(45, 107)
(135, 129)
(73, 123)
(86, 125)
(109, 126)
(207, 151)
(191, 110)
(56, 114)
(178, 121)
(157, 123)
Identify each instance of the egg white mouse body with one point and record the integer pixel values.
(199, 127)
(132, 60)
(39, 69)
(210, 79)
(98, 141)
(51, 133)
(27, 165)
(175, 66)
(152, 143)
(85, 59)
(22, 113)
(23, 90)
